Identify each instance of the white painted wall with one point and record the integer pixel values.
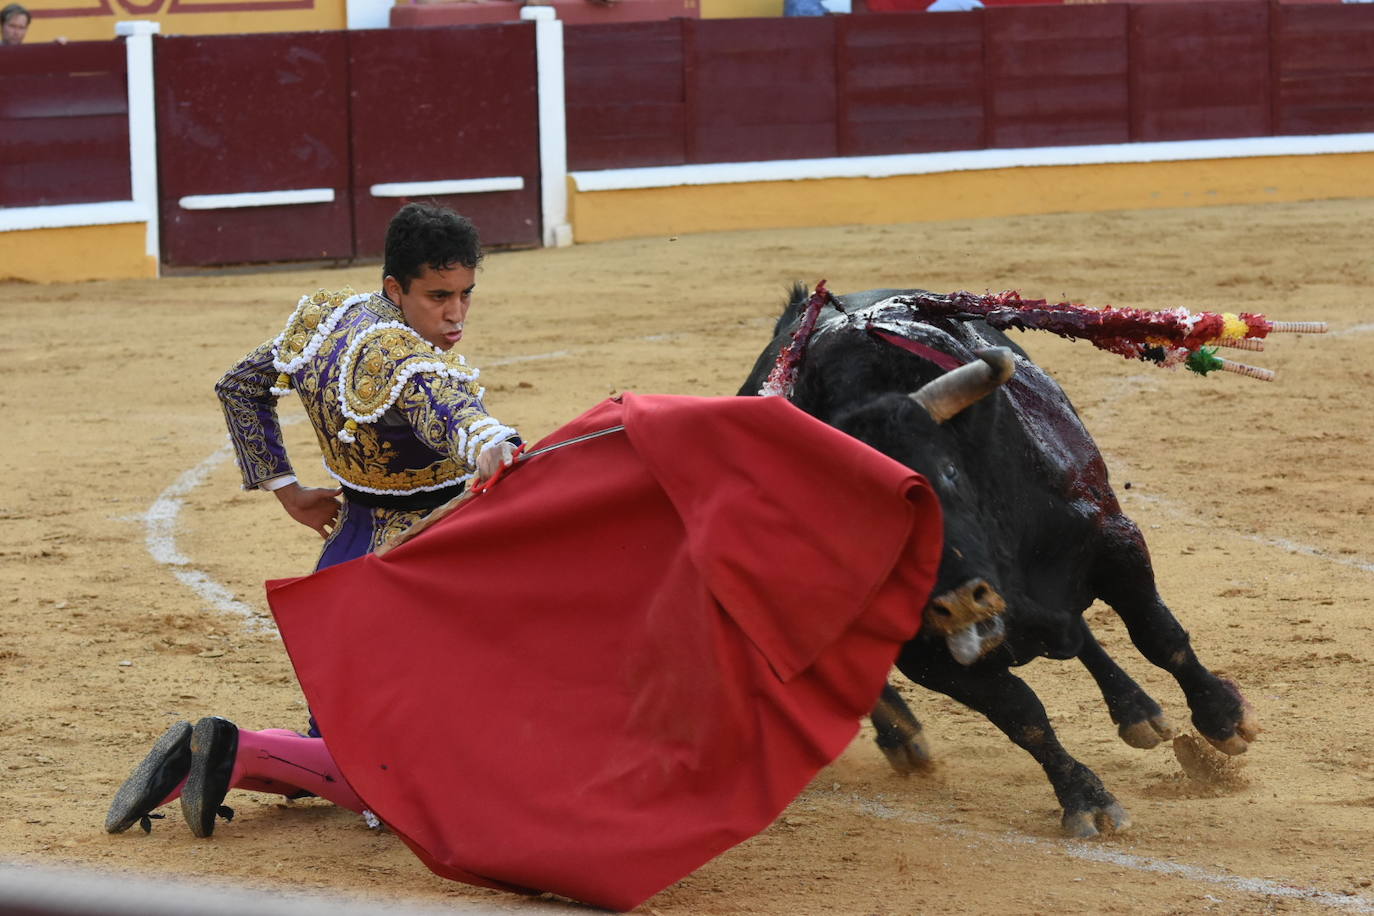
(553, 131)
(368, 14)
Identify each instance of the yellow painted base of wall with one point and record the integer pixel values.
(741, 9)
(115, 252)
(603, 215)
(198, 19)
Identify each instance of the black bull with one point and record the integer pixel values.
(1033, 535)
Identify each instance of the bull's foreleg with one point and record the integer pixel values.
(1010, 704)
(1124, 579)
(900, 736)
(1139, 720)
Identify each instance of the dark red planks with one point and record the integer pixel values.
(1323, 68)
(245, 114)
(1056, 75)
(77, 57)
(625, 95)
(760, 89)
(910, 83)
(442, 104)
(1199, 71)
(64, 132)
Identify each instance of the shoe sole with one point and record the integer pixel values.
(152, 780)
(214, 742)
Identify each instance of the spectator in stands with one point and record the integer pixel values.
(14, 24)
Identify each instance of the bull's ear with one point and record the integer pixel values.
(945, 396)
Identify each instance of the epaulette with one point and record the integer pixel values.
(312, 321)
(378, 363)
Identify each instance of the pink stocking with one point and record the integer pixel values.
(281, 761)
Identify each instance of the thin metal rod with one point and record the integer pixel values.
(523, 456)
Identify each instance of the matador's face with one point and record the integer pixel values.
(437, 303)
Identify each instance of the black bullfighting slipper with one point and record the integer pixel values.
(151, 781)
(214, 743)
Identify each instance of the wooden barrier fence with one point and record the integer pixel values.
(1004, 77)
(298, 146)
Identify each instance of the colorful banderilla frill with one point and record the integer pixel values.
(1169, 337)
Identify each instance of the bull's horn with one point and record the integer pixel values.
(945, 396)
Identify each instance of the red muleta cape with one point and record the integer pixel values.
(628, 654)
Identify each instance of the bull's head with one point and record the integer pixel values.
(969, 615)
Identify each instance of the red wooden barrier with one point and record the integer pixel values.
(446, 104)
(355, 112)
(1056, 75)
(910, 83)
(1323, 69)
(244, 114)
(64, 130)
(760, 89)
(1199, 71)
(624, 94)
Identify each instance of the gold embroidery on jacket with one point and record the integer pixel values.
(436, 411)
(387, 523)
(385, 357)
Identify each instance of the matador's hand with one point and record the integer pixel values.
(493, 459)
(314, 507)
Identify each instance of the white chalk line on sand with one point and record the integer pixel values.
(160, 524)
(1183, 513)
(1353, 562)
(1093, 853)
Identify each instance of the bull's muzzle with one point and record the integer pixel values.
(970, 619)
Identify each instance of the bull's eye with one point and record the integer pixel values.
(950, 472)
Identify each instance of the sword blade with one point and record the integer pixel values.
(525, 456)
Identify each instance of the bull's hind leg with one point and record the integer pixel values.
(1124, 578)
(1010, 704)
(900, 736)
(1139, 720)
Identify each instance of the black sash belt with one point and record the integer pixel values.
(425, 499)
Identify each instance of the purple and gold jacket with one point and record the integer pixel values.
(394, 415)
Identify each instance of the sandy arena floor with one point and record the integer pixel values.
(130, 587)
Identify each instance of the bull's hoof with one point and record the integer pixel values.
(1246, 732)
(911, 756)
(1245, 728)
(1109, 818)
(1147, 733)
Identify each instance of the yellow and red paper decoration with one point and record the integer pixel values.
(1168, 337)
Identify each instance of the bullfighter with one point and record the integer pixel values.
(401, 422)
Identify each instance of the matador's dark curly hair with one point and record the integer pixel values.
(425, 235)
